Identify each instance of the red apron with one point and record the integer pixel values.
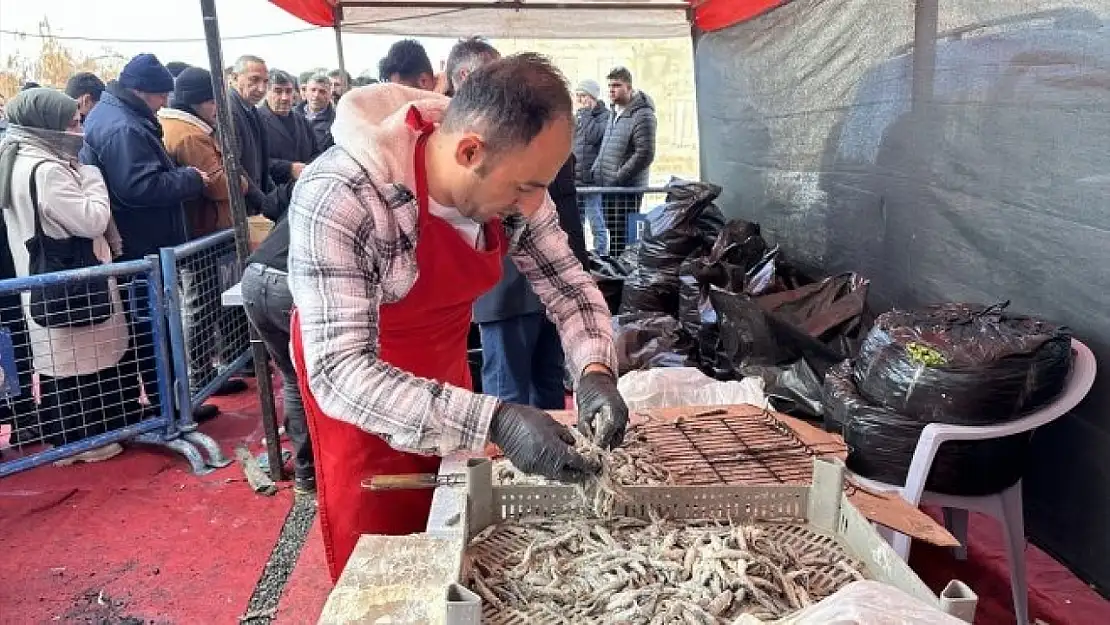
(425, 334)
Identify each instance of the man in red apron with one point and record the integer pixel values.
(393, 235)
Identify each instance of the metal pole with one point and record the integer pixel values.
(926, 15)
(225, 131)
(338, 13)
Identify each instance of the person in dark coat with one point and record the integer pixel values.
(124, 139)
(147, 189)
(292, 144)
(522, 357)
(319, 111)
(591, 121)
(626, 154)
(592, 118)
(250, 80)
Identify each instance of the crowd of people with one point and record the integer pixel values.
(135, 165)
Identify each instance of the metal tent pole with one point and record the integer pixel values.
(339, 40)
(225, 131)
(926, 14)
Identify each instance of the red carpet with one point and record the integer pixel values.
(139, 539)
(137, 536)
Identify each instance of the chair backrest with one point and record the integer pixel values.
(1079, 383)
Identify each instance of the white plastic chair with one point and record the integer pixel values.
(1005, 506)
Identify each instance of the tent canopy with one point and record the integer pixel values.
(540, 19)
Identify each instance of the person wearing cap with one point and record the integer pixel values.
(591, 120)
(86, 88)
(124, 139)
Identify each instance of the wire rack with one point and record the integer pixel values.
(714, 447)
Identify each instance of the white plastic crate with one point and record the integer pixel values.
(819, 514)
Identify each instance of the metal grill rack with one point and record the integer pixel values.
(716, 448)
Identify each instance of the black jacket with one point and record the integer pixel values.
(274, 249)
(320, 125)
(628, 148)
(290, 141)
(123, 139)
(263, 196)
(589, 130)
(513, 296)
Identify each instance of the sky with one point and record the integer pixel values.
(162, 23)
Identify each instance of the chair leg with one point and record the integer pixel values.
(1013, 523)
(955, 519)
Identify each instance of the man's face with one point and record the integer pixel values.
(584, 100)
(251, 83)
(207, 112)
(318, 94)
(154, 101)
(338, 87)
(620, 92)
(280, 98)
(85, 103)
(513, 181)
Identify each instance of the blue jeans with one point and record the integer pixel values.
(596, 218)
(522, 362)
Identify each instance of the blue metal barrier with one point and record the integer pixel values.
(209, 343)
(69, 390)
(615, 216)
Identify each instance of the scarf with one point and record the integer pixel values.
(63, 146)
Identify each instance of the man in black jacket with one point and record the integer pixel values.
(292, 145)
(626, 154)
(591, 121)
(318, 110)
(250, 80)
(522, 358)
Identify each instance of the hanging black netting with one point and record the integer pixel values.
(962, 363)
(881, 444)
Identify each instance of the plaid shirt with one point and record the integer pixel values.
(352, 248)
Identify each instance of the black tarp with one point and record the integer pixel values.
(997, 188)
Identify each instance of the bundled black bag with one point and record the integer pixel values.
(645, 341)
(686, 226)
(881, 444)
(818, 322)
(70, 304)
(964, 364)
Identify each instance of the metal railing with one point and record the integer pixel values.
(94, 377)
(209, 342)
(614, 216)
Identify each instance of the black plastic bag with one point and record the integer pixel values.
(687, 225)
(818, 323)
(794, 389)
(881, 444)
(962, 363)
(645, 340)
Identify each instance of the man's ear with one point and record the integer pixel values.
(470, 151)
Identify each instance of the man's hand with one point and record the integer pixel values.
(205, 178)
(295, 170)
(535, 443)
(602, 413)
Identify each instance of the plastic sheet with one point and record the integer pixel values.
(686, 386)
(864, 602)
(962, 363)
(687, 225)
(881, 444)
(645, 340)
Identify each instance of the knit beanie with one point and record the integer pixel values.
(176, 67)
(147, 74)
(589, 87)
(193, 86)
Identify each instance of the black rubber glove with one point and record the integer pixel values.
(537, 444)
(602, 413)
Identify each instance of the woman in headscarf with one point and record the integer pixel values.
(82, 383)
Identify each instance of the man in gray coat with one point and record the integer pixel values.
(626, 154)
